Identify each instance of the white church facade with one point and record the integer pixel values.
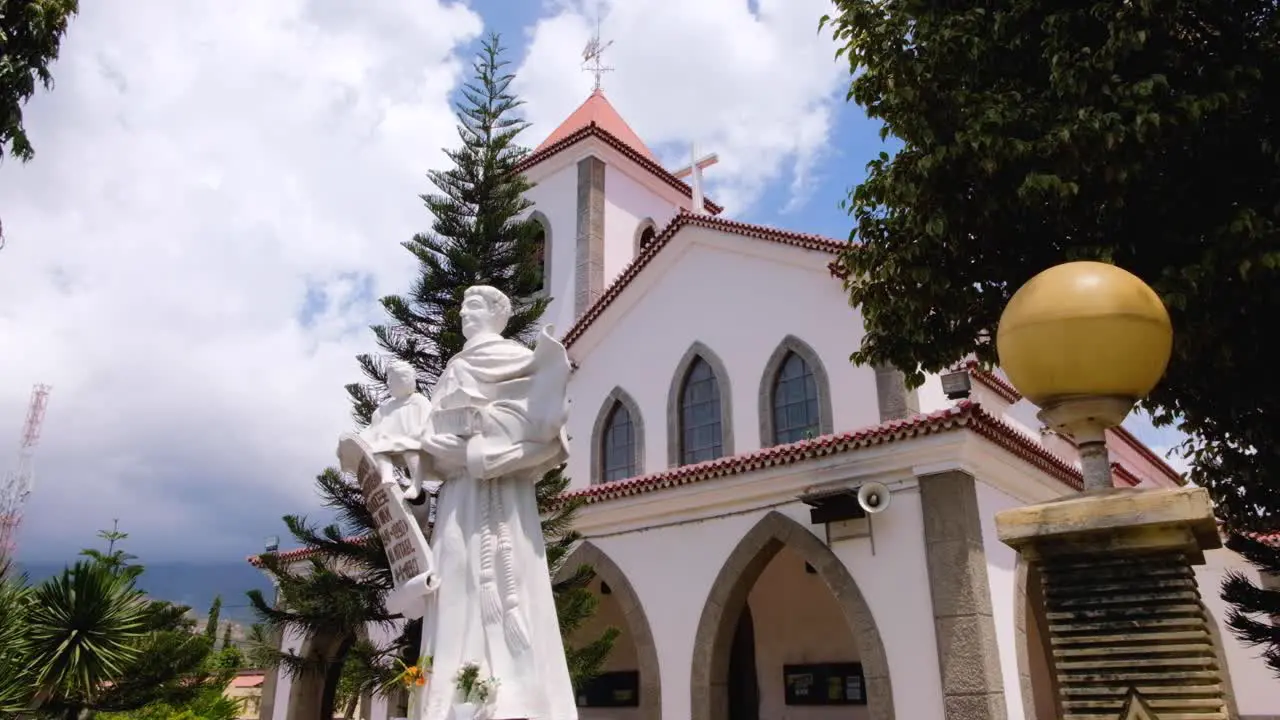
(718, 433)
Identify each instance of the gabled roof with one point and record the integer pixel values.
(598, 111)
(605, 128)
(663, 238)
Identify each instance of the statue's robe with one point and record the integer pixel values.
(494, 605)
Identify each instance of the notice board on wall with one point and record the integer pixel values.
(824, 684)
(611, 690)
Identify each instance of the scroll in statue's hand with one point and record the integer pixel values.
(446, 449)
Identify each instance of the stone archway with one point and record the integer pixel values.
(637, 623)
(728, 596)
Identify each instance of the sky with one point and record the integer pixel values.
(219, 195)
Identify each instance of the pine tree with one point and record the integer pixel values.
(478, 236)
(1254, 609)
(211, 625)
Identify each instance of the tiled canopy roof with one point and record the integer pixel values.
(965, 415)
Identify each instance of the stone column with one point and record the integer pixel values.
(1121, 599)
(968, 654)
(588, 279)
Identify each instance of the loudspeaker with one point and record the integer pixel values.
(873, 498)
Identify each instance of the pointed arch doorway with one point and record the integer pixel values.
(619, 606)
(777, 544)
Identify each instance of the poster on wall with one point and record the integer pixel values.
(824, 684)
(611, 690)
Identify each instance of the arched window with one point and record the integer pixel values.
(795, 395)
(701, 435)
(618, 444)
(646, 236)
(541, 240)
(646, 231)
(795, 401)
(617, 439)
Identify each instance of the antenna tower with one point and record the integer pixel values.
(17, 484)
(593, 55)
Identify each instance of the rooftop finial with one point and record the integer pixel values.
(592, 54)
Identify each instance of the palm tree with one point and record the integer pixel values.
(83, 627)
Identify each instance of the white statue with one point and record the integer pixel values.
(394, 434)
(496, 426)
(393, 438)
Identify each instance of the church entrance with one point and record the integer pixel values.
(628, 687)
(786, 633)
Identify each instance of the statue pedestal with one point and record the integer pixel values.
(1121, 600)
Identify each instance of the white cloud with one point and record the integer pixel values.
(758, 85)
(201, 170)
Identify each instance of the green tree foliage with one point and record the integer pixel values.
(1040, 131)
(15, 681)
(478, 237)
(89, 640)
(30, 36)
(261, 650)
(211, 625)
(84, 630)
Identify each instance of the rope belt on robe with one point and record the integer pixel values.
(499, 594)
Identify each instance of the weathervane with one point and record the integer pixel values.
(593, 53)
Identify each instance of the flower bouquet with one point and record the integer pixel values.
(474, 691)
(412, 677)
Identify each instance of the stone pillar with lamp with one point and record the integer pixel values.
(1085, 341)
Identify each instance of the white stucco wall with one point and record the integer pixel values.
(1256, 688)
(775, 290)
(894, 579)
(556, 197)
(627, 203)
(1002, 565)
(893, 582)
(291, 642)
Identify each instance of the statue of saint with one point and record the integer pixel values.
(496, 426)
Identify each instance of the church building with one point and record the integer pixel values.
(720, 437)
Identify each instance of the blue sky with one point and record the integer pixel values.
(220, 192)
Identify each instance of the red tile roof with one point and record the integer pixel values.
(964, 415)
(594, 130)
(1007, 391)
(597, 110)
(993, 382)
(663, 238)
(297, 554)
(248, 680)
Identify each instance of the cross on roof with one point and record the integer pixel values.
(694, 169)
